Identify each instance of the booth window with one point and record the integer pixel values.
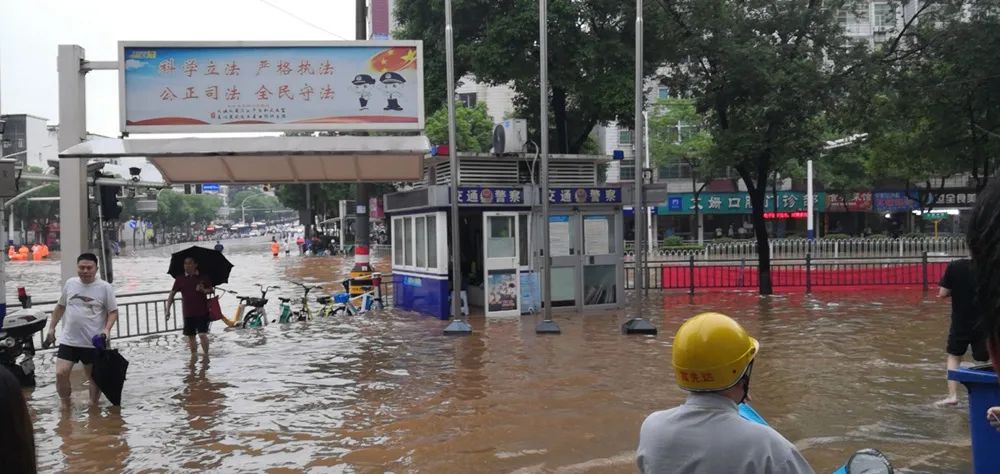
(421, 248)
(407, 249)
(432, 256)
(397, 242)
(522, 241)
(415, 245)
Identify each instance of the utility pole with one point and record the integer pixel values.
(362, 271)
(547, 325)
(638, 325)
(458, 325)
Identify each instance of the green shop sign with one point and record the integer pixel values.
(738, 203)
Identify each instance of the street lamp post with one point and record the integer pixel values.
(830, 145)
(810, 229)
(638, 325)
(547, 325)
(243, 209)
(458, 325)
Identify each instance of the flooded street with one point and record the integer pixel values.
(388, 392)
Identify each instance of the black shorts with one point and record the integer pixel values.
(77, 354)
(195, 325)
(958, 344)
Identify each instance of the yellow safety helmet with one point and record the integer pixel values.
(712, 352)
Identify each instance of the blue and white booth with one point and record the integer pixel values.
(500, 237)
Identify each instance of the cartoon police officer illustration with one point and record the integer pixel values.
(362, 87)
(393, 83)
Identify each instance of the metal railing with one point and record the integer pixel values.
(805, 273)
(819, 248)
(139, 315)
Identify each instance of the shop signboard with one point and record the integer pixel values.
(894, 201)
(738, 203)
(852, 202)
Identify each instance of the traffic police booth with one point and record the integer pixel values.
(500, 238)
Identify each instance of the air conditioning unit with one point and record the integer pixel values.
(510, 136)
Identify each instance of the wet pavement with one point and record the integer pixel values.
(388, 392)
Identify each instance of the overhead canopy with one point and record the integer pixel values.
(270, 159)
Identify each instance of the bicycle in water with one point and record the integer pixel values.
(257, 316)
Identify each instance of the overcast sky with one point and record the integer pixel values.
(30, 32)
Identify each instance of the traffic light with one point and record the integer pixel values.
(197, 189)
(110, 209)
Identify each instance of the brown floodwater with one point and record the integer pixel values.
(838, 371)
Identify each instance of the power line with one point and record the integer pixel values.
(303, 20)
(991, 133)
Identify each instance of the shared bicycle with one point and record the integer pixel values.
(305, 313)
(257, 316)
(360, 304)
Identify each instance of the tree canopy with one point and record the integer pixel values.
(763, 73)
(473, 128)
(591, 57)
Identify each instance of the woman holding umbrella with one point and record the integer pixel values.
(196, 272)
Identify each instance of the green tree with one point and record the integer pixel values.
(473, 128)
(937, 112)
(591, 55)
(677, 134)
(762, 73)
(181, 210)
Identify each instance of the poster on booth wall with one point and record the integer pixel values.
(559, 236)
(531, 293)
(501, 290)
(597, 237)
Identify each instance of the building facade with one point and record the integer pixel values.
(29, 140)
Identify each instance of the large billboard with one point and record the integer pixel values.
(170, 87)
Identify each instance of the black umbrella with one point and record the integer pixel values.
(211, 263)
(109, 374)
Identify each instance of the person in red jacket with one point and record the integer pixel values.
(984, 247)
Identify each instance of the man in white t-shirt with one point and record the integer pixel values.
(90, 309)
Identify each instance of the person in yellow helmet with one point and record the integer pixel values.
(713, 357)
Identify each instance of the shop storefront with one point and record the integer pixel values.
(727, 215)
(847, 214)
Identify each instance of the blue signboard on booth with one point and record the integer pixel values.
(490, 195)
(585, 195)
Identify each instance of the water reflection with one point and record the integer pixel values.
(94, 440)
(388, 391)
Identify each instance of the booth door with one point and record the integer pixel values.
(502, 263)
(601, 258)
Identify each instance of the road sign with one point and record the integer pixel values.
(210, 187)
(934, 216)
(146, 205)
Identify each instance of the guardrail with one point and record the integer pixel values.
(819, 248)
(137, 316)
(805, 273)
(142, 316)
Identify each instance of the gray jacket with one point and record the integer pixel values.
(707, 435)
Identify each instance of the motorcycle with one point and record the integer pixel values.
(17, 347)
(866, 461)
